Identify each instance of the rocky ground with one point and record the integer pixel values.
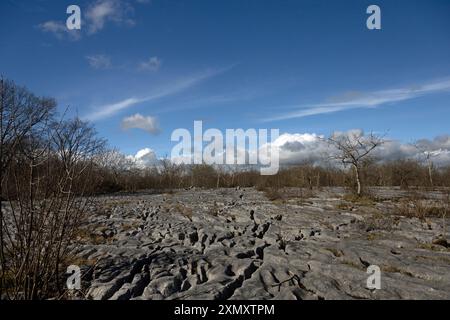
(238, 244)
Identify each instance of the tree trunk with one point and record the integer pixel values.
(218, 180)
(430, 172)
(358, 180)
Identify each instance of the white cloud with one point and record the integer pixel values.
(437, 143)
(138, 121)
(438, 148)
(144, 158)
(319, 152)
(311, 148)
(108, 110)
(104, 11)
(299, 148)
(59, 30)
(99, 61)
(152, 64)
(374, 99)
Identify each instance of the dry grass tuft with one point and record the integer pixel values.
(273, 194)
(183, 210)
(421, 209)
(363, 200)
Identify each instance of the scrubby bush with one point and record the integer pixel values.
(47, 167)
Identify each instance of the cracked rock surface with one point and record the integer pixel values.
(236, 244)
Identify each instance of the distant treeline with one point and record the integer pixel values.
(403, 173)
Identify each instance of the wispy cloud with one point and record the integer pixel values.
(99, 61)
(138, 121)
(151, 64)
(59, 30)
(373, 99)
(103, 11)
(109, 110)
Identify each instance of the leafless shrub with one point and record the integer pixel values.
(405, 173)
(380, 221)
(45, 174)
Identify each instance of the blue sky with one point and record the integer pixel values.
(300, 66)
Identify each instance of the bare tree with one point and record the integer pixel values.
(21, 114)
(424, 148)
(114, 170)
(353, 149)
(46, 171)
(116, 162)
